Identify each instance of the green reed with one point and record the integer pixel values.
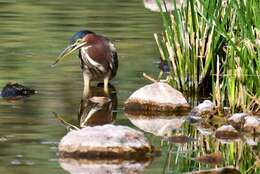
(217, 40)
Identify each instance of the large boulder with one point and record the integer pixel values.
(156, 97)
(104, 141)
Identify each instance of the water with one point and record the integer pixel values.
(32, 34)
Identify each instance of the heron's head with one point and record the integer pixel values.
(77, 41)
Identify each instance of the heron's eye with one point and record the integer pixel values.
(78, 41)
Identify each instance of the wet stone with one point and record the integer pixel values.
(213, 158)
(204, 109)
(252, 124)
(180, 139)
(156, 97)
(227, 132)
(104, 141)
(237, 119)
(225, 170)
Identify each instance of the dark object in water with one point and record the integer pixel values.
(15, 90)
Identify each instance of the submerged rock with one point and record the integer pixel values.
(225, 170)
(15, 90)
(104, 141)
(156, 97)
(227, 132)
(180, 139)
(213, 158)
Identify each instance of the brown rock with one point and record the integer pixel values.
(213, 158)
(225, 170)
(227, 132)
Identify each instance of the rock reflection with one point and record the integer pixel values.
(159, 125)
(97, 107)
(84, 166)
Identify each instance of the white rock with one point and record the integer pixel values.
(206, 106)
(252, 121)
(103, 139)
(157, 96)
(237, 117)
(252, 124)
(227, 128)
(152, 5)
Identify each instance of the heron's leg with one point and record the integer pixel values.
(106, 89)
(86, 85)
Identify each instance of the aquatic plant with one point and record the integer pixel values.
(215, 42)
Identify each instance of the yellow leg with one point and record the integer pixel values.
(106, 89)
(86, 86)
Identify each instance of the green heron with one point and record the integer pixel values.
(98, 57)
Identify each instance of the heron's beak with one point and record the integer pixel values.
(68, 50)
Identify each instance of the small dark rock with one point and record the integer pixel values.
(227, 132)
(14, 90)
(180, 139)
(213, 158)
(225, 170)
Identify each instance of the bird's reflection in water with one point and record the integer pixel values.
(96, 108)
